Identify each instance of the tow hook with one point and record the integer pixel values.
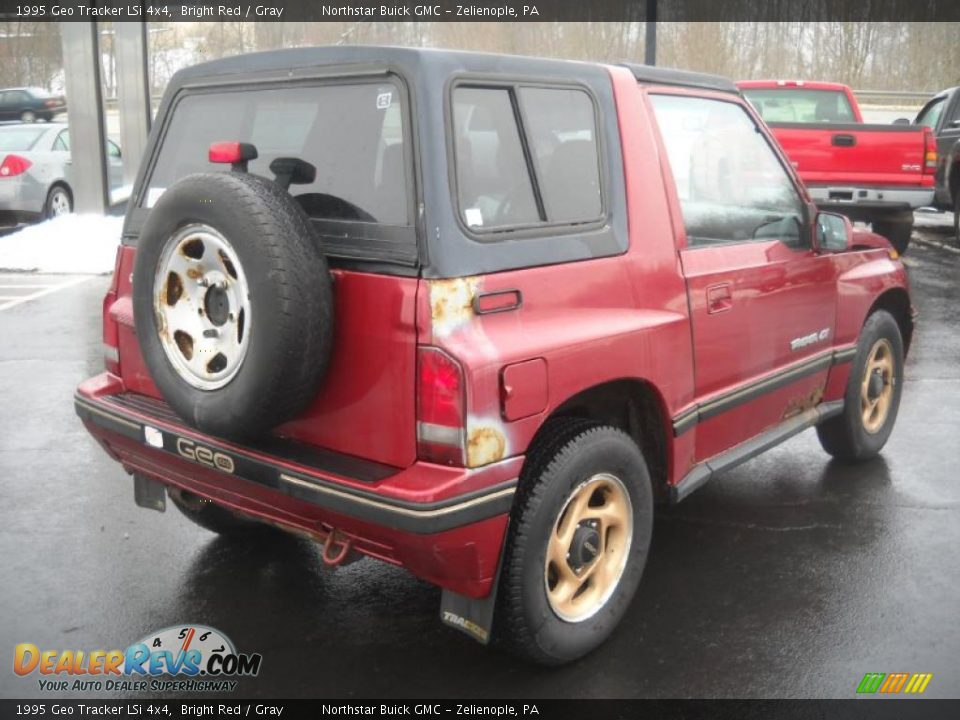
(335, 550)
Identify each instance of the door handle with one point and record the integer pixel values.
(719, 298)
(844, 140)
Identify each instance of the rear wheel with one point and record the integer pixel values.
(956, 217)
(59, 202)
(873, 393)
(215, 518)
(578, 542)
(897, 229)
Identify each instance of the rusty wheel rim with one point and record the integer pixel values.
(588, 548)
(877, 386)
(202, 304)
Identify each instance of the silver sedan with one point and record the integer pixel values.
(36, 177)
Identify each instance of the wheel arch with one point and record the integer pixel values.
(637, 407)
(61, 182)
(896, 301)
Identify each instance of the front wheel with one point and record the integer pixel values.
(872, 398)
(578, 542)
(28, 116)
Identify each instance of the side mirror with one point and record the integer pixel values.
(833, 232)
(901, 121)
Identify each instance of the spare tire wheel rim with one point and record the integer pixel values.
(202, 303)
(588, 548)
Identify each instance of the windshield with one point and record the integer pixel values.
(19, 138)
(800, 105)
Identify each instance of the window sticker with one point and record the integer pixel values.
(384, 100)
(474, 217)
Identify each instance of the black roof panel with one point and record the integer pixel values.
(685, 78)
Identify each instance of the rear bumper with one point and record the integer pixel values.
(21, 198)
(870, 198)
(445, 525)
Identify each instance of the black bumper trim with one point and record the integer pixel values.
(367, 506)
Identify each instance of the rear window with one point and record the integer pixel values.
(353, 134)
(800, 105)
(526, 157)
(19, 138)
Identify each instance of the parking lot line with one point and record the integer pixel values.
(7, 302)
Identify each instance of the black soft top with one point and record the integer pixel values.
(439, 244)
(309, 57)
(685, 78)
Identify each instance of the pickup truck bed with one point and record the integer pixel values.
(869, 172)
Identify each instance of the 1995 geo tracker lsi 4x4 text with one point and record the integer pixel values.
(473, 314)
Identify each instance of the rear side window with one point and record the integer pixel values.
(526, 157)
(799, 105)
(19, 137)
(930, 115)
(353, 134)
(563, 137)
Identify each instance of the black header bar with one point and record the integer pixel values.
(482, 10)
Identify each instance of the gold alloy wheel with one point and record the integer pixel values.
(588, 548)
(876, 389)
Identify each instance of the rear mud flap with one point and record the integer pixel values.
(473, 616)
(149, 493)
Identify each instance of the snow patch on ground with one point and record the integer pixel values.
(82, 244)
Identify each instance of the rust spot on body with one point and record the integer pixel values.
(804, 403)
(451, 303)
(485, 445)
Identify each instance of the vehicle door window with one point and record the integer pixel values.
(62, 142)
(113, 150)
(954, 114)
(931, 114)
(15, 97)
(731, 184)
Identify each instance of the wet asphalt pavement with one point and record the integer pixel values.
(791, 576)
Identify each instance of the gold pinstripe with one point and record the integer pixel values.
(400, 510)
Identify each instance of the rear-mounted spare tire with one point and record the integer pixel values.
(233, 303)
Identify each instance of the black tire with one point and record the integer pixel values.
(215, 518)
(290, 295)
(897, 230)
(845, 436)
(58, 198)
(956, 217)
(566, 453)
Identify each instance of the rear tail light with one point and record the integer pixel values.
(441, 408)
(929, 152)
(111, 328)
(51, 103)
(14, 165)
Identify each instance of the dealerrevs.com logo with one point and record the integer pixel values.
(189, 658)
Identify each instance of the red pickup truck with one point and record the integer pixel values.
(472, 314)
(872, 173)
